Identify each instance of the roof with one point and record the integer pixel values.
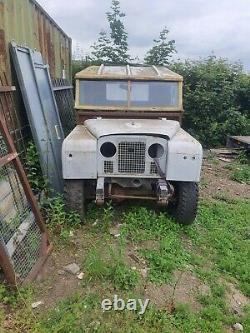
(134, 72)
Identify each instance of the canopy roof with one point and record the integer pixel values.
(129, 72)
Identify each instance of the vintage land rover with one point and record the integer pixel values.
(129, 143)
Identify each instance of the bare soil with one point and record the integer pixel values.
(216, 182)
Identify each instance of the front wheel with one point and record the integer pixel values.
(184, 207)
(74, 195)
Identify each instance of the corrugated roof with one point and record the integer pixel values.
(129, 72)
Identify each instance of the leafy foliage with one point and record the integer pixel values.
(34, 172)
(162, 51)
(60, 221)
(113, 47)
(216, 99)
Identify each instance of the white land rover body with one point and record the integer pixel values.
(131, 158)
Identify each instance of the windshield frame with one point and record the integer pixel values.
(128, 106)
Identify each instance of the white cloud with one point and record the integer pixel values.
(199, 27)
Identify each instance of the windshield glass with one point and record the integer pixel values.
(154, 94)
(142, 94)
(107, 93)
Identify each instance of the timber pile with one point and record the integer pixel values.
(223, 154)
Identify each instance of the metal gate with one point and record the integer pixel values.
(37, 91)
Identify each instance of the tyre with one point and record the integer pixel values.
(184, 207)
(74, 195)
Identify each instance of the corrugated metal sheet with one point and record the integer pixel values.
(26, 23)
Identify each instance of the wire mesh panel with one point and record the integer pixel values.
(18, 129)
(65, 102)
(24, 241)
(20, 233)
(131, 157)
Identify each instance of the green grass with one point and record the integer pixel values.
(60, 221)
(83, 314)
(222, 235)
(104, 263)
(216, 248)
(241, 174)
(239, 170)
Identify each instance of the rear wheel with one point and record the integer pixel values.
(74, 195)
(184, 208)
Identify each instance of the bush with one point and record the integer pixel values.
(216, 99)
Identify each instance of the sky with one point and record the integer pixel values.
(199, 27)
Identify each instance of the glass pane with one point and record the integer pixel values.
(158, 94)
(104, 93)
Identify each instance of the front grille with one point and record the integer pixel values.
(131, 157)
(153, 168)
(108, 167)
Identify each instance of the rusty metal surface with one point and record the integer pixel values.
(117, 192)
(81, 116)
(27, 23)
(17, 129)
(24, 243)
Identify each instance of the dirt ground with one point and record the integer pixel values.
(216, 183)
(55, 284)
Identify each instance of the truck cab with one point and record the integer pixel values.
(129, 143)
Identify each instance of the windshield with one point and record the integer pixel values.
(106, 93)
(141, 94)
(154, 93)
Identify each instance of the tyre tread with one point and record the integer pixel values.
(74, 195)
(186, 209)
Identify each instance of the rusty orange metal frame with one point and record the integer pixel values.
(46, 247)
(81, 115)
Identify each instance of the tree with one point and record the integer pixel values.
(112, 48)
(162, 51)
(103, 49)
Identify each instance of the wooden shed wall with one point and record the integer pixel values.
(27, 23)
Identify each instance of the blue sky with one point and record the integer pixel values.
(200, 28)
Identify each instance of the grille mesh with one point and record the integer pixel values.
(108, 167)
(131, 157)
(153, 168)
